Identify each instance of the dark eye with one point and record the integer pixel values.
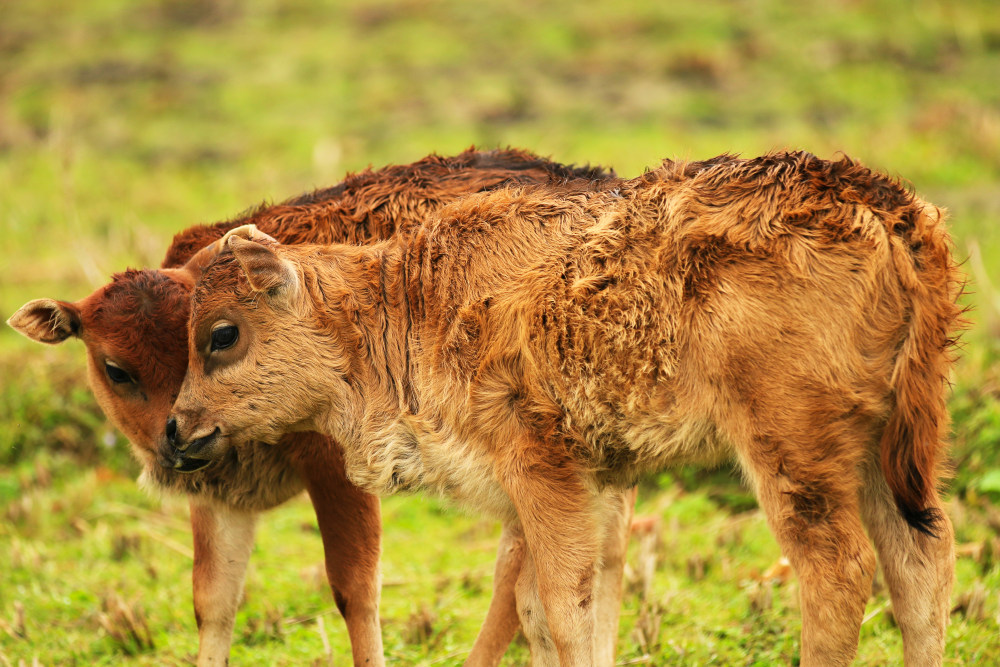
(116, 374)
(224, 336)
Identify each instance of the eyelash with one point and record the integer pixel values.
(117, 375)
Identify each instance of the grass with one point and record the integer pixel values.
(122, 122)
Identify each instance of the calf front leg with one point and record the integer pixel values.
(615, 519)
(223, 538)
(562, 531)
(351, 525)
(534, 624)
(515, 594)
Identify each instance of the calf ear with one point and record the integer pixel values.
(196, 265)
(264, 269)
(47, 320)
(202, 258)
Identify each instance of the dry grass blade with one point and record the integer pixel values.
(876, 611)
(126, 625)
(327, 651)
(269, 627)
(147, 516)
(648, 531)
(697, 564)
(123, 545)
(760, 595)
(17, 629)
(294, 620)
(972, 603)
(420, 626)
(647, 626)
(174, 545)
(983, 282)
(20, 626)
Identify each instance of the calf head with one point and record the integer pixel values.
(135, 332)
(253, 370)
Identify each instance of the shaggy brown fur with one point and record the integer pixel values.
(529, 347)
(135, 330)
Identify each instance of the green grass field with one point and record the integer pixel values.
(124, 121)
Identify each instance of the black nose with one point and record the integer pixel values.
(172, 431)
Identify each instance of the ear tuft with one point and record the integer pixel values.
(265, 270)
(47, 320)
(250, 233)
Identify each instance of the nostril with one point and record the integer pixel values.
(172, 431)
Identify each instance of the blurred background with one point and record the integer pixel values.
(124, 121)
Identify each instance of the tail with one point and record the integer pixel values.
(913, 443)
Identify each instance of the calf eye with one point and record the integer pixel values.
(224, 336)
(116, 374)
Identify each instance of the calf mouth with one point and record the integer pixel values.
(186, 465)
(193, 457)
(180, 462)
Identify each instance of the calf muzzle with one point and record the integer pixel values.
(185, 455)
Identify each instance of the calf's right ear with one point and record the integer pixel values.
(264, 269)
(47, 320)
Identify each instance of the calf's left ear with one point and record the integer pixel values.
(47, 320)
(265, 271)
(201, 259)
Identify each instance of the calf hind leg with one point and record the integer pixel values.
(815, 518)
(918, 570)
(618, 510)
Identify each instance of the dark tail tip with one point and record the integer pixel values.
(924, 521)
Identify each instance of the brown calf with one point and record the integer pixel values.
(529, 349)
(135, 330)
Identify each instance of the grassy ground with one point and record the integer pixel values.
(123, 121)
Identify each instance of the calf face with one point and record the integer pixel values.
(248, 350)
(134, 329)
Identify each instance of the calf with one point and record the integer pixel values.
(526, 350)
(135, 332)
